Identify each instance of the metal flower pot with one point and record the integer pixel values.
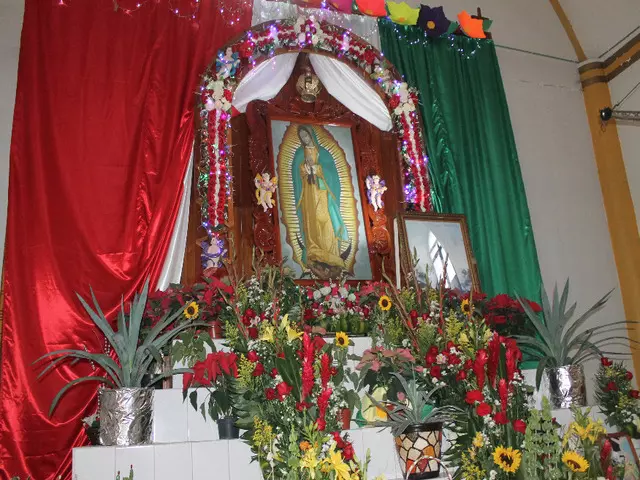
(566, 386)
(227, 429)
(126, 416)
(418, 448)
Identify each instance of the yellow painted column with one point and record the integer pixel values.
(616, 196)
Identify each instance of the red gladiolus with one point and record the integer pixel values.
(461, 375)
(628, 375)
(606, 362)
(274, 372)
(450, 345)
(430, 359)
(433, 350)
(307, 366)
(503, 393)
(325, 369)
(258, 370)
(501, 418)
(478, 366)
(494, 348)
(483, 409)
(436, 372)
(413, 314)
(283, 389)
(322, 424)
(271, 394)
(612, 387)
(340, 443)
(468, 364)
(634, 393)
(474, 396)
(347, 452)
(605, 452)
(519, 426)
(323, 404)
(280, 355)
(301, 406)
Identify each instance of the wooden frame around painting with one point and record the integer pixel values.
(626, 448)
(320, 211)
(441, 239)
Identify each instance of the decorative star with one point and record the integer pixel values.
(433, 21)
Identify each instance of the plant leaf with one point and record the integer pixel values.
(72, 383)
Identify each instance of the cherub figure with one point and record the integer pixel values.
(375, 188)
(226, 65)
(265, 188)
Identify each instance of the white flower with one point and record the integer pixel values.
(325, 290)
(351, 297)
(314, 39)
(441, 359)
(343, 292)
(302, 37)
(209, 105)
(317, 295)
(493, 474)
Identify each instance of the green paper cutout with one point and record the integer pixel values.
(486, 24)
(452, 28)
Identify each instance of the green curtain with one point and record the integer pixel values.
(473, 160)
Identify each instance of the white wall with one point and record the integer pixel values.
(629, 134)
(11, 12)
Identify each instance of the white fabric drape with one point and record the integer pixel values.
(351, 90)
(172, 268)
(363, 26)
(265, 81)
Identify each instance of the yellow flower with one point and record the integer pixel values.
(292, 333)
(575, 461)
(465, 306)
(336, 463)
(342, 339)
(508, 459)
(403, 13)
(463, 339)
(310, 461)
(267, 334)
(384, 303)
(191, 311)
(478, 440)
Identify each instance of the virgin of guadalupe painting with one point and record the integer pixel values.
(321, 222)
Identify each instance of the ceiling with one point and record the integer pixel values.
(600, 24)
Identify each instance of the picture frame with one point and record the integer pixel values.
(305, 243)
(623, 445)
(437, 240)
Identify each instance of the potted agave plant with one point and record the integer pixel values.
(126, 405)
(561, 346)
(417, 427)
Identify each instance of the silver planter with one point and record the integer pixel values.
(566, 386)
(126, 416)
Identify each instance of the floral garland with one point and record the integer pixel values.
(617, 398)
(265, 41)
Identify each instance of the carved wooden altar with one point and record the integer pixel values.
(251, 228)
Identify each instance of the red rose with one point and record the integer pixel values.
(461, 375)
(634, 393)
(534, 306)
(369, 56)
(271, 394)
(498, 319)
(435, 372)
(612, 387)
(450, 345)
(606, 362)
(283, 389)
(258, 370)
(454, 359)
(253, 332)
(394, 102)
(274, 372)
(501, 418)
(249, 312)
(628, 375)
(519, 426)
(246, 49)
(280, 355)
(252, 356)
(430, 359)
(347, 452)
(483, 409)
(433, 350)
(474, 396)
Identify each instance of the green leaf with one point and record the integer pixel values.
(193, 399)
(72, 383)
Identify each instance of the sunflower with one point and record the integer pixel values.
(191, 311)
(465, 306)
(575, 461)
(342, 339)
(384, 303)
(508, 459)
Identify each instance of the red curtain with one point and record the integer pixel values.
(102, 134)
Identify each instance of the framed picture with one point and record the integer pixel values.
(430, 242)
(319, 207)
(623, 446)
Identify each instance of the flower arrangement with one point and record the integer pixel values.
(617, 398)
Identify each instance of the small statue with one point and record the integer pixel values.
(265, 188)
(212, 253)
(375, 189)
(226, 65)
